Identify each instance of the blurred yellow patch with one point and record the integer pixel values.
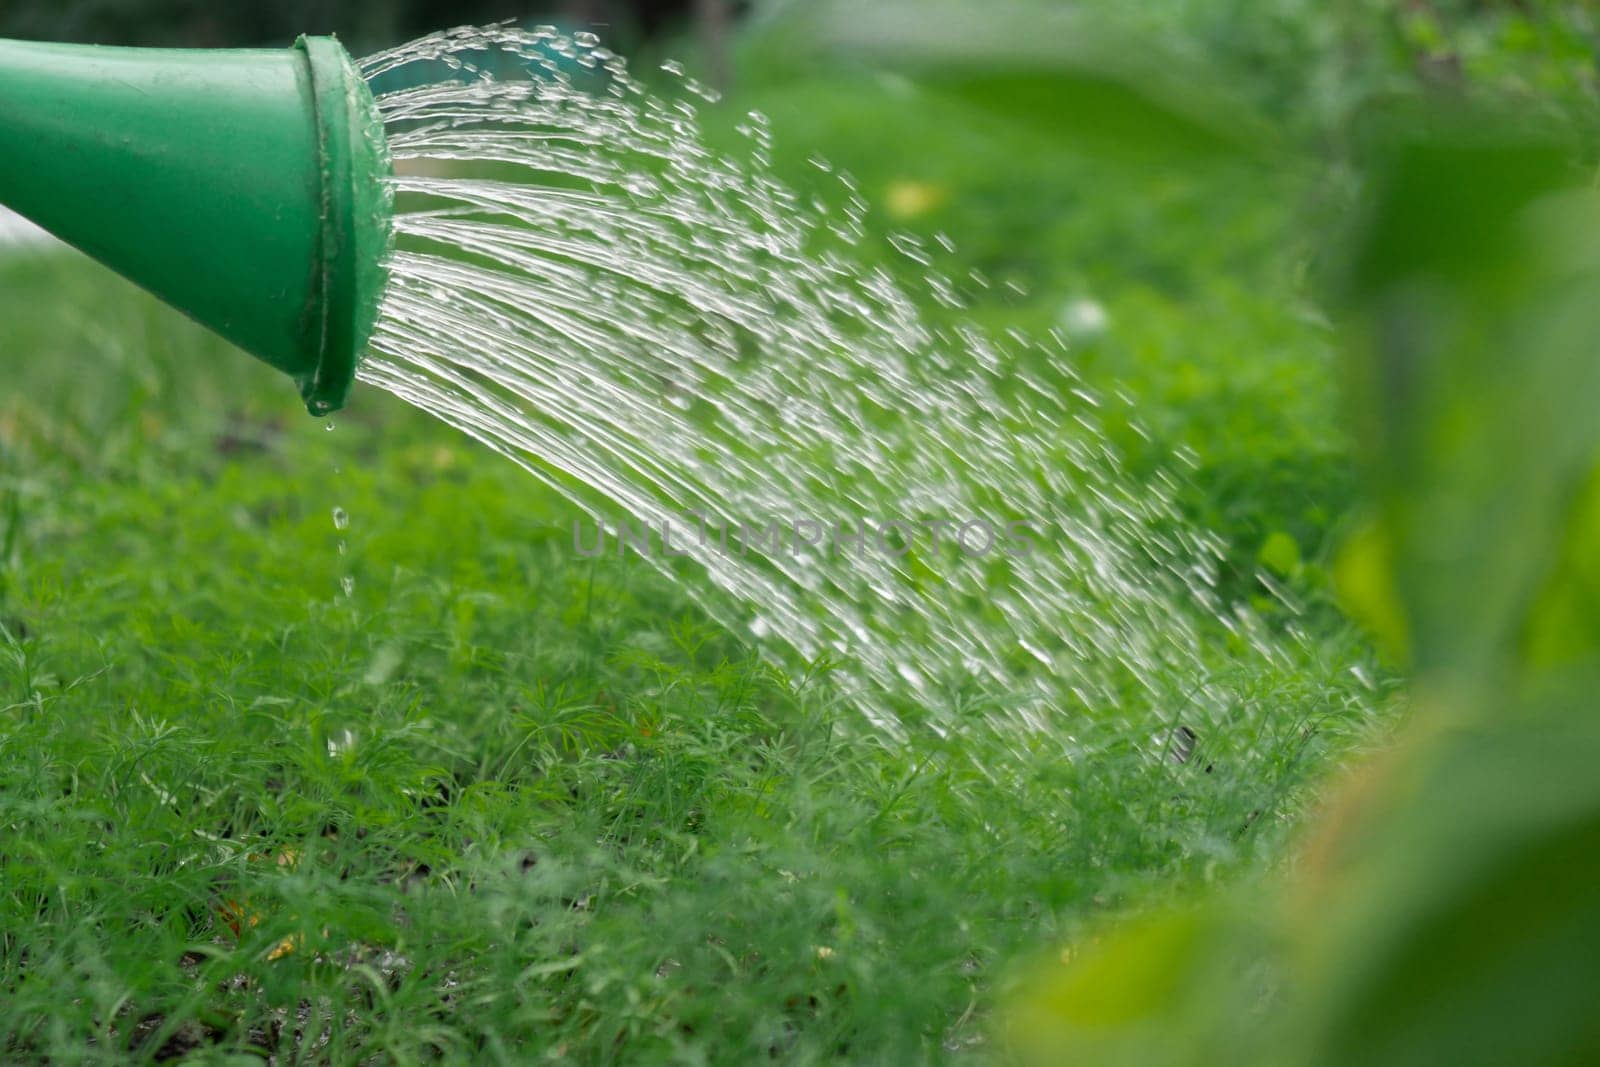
(908, 199)
(1363, 578)
(1171, 987)
(238, 916)
(286, 946)
(1132, 979)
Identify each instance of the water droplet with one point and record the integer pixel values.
(1085, 318)
(348, 584)
(341, 519)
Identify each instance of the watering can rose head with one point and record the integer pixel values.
(244, 187)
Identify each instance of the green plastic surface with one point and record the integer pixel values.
(243, 187)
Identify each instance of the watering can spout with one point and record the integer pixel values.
(245, 188)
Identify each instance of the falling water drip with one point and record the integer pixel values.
(341, 522)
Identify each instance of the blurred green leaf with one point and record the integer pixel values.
(1472, 306)
(1566, 616)
(1363, 576)
(1462, 927)
(1469, 933)
(1163, 988)
(1062, 72)
(1280, 554)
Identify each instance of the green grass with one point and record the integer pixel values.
(501, 804)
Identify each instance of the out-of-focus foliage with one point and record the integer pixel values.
(1309, 65)
(1476, 284)
(364, 25)
(1459, 922)
(1318, 65)
(1065, 72)
(1445, 913)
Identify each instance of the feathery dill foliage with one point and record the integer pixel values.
(494, 801)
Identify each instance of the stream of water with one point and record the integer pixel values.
(696, 356)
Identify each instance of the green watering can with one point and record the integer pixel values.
(243, 187)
